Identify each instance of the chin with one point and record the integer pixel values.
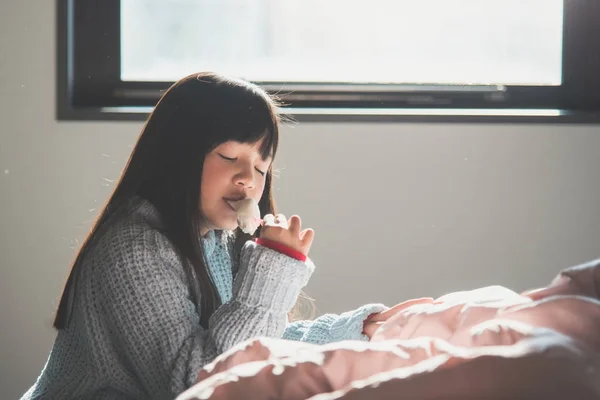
(229, 227)
(220, 220)
(225, 225)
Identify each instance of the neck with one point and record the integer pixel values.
(204, 231)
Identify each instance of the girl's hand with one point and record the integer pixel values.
(279, 229)
(376, 321)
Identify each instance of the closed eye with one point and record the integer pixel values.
(260, 172)
(263, 173)
(226, 158)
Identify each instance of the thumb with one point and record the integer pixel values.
(370, 328)
(385, 315)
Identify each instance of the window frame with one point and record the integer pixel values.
(89, 85)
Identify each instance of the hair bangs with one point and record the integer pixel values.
(251, 124)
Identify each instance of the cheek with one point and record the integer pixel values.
(211, 180)
(260, 188)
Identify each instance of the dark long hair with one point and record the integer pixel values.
(196, 114)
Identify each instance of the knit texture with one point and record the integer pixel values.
(135, 333)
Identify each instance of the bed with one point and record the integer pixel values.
(489, 342)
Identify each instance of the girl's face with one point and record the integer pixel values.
(231, 171)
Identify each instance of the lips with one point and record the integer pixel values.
(234, 198)
(229, 204)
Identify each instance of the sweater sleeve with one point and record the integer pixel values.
(328, 328)
(331, 328)
(156, 327)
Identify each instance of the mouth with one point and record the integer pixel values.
(229, 205)
(230, 200)
(235, 198)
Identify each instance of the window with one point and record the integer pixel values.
(400, 59)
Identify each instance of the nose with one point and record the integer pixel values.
(245, 178)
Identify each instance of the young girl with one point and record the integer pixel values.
(166, 281)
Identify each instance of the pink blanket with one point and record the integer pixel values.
(487, 343)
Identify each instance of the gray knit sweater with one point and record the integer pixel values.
(136, 334)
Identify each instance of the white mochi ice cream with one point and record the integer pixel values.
(248, 214)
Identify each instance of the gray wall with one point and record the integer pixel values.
(400, 210)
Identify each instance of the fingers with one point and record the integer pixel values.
(281, 221)
(371, 328)
(307, 236)
(276, 220)
(269, 220)
(288, 233)
(306, 239)
(294, 225)
(385, 315)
